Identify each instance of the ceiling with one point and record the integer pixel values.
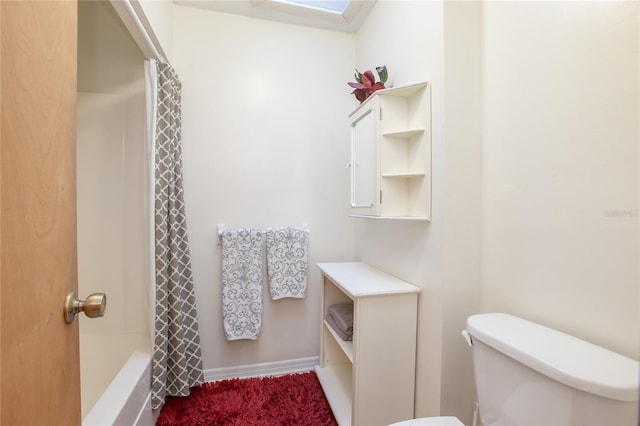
(311, 13)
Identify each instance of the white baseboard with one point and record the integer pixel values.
(278, 368)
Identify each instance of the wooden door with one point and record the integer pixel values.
(39, 363)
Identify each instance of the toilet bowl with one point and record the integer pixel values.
(431, 421)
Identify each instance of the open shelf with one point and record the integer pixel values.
(336, 384)
(404, 91)
(346, 346)
(403, 133)
(403, 175)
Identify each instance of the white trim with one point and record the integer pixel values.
(142, 34)
(277, 368)
(151, 83)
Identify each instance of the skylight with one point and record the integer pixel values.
(337, 15)
(333, 6)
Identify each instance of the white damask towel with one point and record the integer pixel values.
(242, 283)
(287, 261)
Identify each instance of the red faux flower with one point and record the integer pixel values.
(366, 83)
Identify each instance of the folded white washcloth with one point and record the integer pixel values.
(242, 283)
(287, 265)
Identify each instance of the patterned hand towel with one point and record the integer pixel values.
(242, 283)
(287, 261)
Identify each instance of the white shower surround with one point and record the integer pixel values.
(114, 178)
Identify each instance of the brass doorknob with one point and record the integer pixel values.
(93, 306)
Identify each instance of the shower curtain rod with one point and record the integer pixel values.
(144, 37)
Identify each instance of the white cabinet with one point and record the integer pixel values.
(370, 380)
(391, 154)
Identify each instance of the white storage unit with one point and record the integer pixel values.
(370, 380)
(391, 154)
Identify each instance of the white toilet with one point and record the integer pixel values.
(528, 374)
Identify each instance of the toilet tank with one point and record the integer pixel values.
(529, 374)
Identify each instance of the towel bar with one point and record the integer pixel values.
(221, 227)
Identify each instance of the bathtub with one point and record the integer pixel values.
(115, 384)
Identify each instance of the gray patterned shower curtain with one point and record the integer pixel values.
(177, 359)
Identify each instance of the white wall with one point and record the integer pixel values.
(560, 161)
(407, 37)
(265, 143)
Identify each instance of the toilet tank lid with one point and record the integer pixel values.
(564, 358)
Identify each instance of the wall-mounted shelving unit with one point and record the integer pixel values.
(391, 154)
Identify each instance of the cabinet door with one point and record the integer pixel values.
(364, 157)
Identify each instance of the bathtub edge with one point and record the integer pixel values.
(124, 402)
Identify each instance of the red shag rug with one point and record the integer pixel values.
(295, 399)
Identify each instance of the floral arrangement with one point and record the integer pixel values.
(366, 84)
